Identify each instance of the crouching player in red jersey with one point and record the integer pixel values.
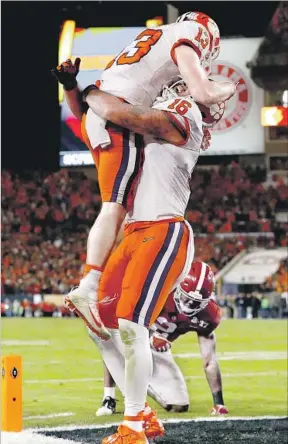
(189, 309)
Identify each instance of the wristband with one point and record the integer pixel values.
(71, 85)
(218, 398)
(86, 91)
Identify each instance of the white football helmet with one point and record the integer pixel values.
(213, 31)
(177, 87)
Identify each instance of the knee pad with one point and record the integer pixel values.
(131, 332)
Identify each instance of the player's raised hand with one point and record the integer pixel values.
(159, 343)
(219, 410)
(67, 72)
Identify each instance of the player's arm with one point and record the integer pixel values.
(139, 119)
(199, 86)
(212, 370)
(74, 101)
(66, 74)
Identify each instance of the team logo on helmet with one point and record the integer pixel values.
(237, 107)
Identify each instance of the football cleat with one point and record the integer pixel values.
(78, 301)
(108, 407)
(153, 426)
(125, 435)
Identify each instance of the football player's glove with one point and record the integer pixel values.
(219, 410)
(66, 73)
(159, 343)
(206, 139)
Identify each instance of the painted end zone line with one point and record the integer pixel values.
(26, 437)
(165, 421)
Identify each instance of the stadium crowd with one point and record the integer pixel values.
(46, 217)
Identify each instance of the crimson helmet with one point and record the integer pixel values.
(195, 291)
(210, 25)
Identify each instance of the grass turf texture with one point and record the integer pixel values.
(71, 355)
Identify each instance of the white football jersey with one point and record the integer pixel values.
(163, 191)
(140, 71)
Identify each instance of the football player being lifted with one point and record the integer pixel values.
(136, 75)
(190, 308)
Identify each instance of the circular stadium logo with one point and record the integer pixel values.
(238, 106)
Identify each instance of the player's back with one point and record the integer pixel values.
(139, 72)
(163, 190)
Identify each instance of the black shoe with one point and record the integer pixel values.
(108, 407)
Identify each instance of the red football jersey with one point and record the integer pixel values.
(173, 324)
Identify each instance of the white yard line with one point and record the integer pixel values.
(243, 375)
(54, 362)
(51, 415)
(19, 343)
(224, 375)
(241, 356)
(60, 381)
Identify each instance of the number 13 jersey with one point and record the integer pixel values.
(140, 71)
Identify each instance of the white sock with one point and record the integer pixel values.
(134, 425)
(91, 280)
(109, 391)
(147, 410)
(138, 369)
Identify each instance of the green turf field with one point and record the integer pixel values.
(62, 374)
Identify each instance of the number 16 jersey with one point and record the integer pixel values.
(140, 71)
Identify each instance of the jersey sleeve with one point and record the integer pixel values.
(191, 34)
(185, 115)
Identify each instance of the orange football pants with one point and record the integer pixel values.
(142, 271)
(119, 165)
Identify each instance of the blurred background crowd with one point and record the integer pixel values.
(46, 219)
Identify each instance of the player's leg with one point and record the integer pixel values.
(118, 167)
(114, 368)
(108, 406)
(112, 355)
(167, 385)
(150, 275)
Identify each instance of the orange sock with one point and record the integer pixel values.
(88, 267)
(138, 417)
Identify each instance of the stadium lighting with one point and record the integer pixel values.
(65, 48)
(153, 23)
(274, 116)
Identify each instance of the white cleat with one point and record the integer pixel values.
(78, 301)
(108, 407)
